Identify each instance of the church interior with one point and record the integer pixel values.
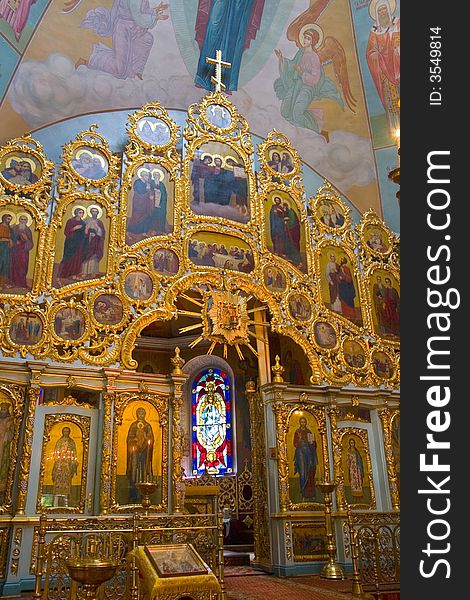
(199, 299)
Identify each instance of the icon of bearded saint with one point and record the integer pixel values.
(302, 80)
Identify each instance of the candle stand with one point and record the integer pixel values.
(332, 569)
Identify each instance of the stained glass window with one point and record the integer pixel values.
(211, 423)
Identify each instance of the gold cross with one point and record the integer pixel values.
(219, 63)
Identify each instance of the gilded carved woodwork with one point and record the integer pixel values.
(120, 401)
(4, 546)
(96, 317)
(341, 437)
(261, 528)
(178, 433)
(12, 400)
(284, 414)
(388, 418)
(62, 460)
(32, 395)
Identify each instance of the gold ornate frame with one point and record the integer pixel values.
(38, 216)
(137, 153)
(200, 131)
(120, 402)
(58, 220)
(390, 269)
(38, 191)
(83, 422)
(24, 349)
(16, 396)
(105, 344)
(315, 524)
(337, 439)
(283, 413)
(327, 193)
(69, 177)
(387, 416)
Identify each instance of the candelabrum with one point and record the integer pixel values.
(147, 487)
(92, 570)
(331, 570)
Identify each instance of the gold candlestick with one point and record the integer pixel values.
(331, 570)
(91, 572)
(147, 488)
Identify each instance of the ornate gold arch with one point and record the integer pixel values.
(138, 288)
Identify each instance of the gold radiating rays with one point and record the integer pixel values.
(224, 318)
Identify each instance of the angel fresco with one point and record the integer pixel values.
(302, 79)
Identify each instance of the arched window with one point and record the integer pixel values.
(211, 423)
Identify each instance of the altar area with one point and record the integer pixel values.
(188, 336)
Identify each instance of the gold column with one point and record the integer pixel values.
(259, 469)
(25, 464)
(106, 454)
(40, 557)
(386, 417)
(356, 578)
(179, 379)
(332, 569)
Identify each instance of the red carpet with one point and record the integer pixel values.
(241, 571)
(268, 587)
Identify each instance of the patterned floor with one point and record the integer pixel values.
(242, 585)
(267, 587)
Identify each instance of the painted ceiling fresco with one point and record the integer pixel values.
(324, 72)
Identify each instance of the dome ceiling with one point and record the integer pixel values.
(325, 73)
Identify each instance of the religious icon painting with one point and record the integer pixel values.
(26, 328)
(274, 279)
(339, 285)
(309, 541)
(176, 560)
(90, 163)
(296, 367)
(376, 239)
(330, 214)
(218, 116)
(153, 131)
(356, 468)
(18, 247)
(64, 464)
(384, 290)
(165, 262)
(279, 161)
(213, 249)
(300, 307)
(354, 354)
(70, 324)
(108, 309)
(382, 365)
(219, 183)
(138, 285)
(138, 453)
(81, 246)
(150, 203)
(284, 235)
(325, 335)
(305, 457)
(18, 168)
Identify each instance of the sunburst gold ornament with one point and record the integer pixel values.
(225, 319)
